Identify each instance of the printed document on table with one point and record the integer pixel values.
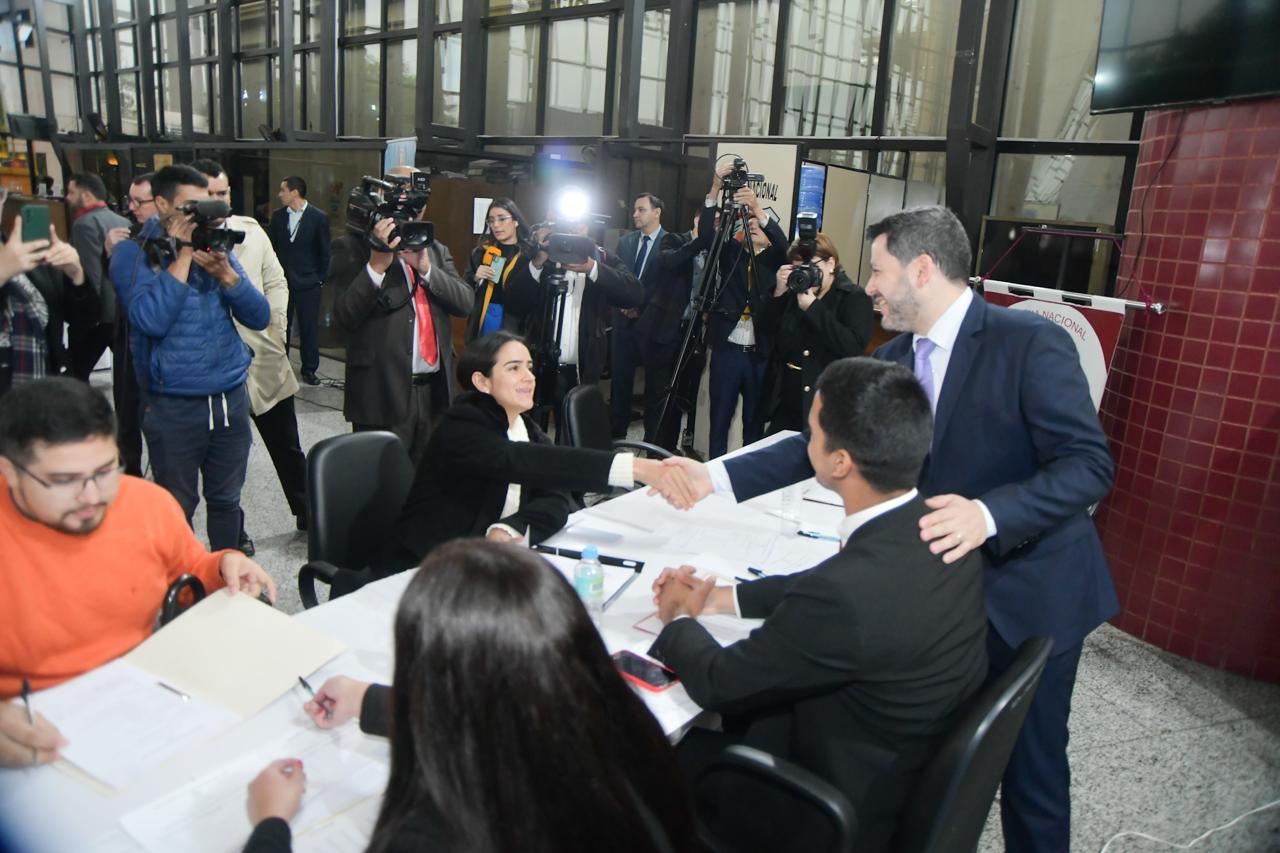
(121, 722)
(234, 651)
(208, 815)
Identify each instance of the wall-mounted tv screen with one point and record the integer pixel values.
(813, 190)
(1155, 53)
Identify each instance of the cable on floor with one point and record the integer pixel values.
(1193, 842)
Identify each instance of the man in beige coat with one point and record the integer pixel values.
(271, 381)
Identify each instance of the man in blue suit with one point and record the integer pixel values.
(1017, 459)
(300, 236)
(639, 250)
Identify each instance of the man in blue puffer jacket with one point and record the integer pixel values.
(190, 360)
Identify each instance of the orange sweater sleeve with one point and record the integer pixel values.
(187, 555)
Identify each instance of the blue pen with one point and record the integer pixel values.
(760, 573)
(824, 537)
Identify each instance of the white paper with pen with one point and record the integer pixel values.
(344, 768)
(120, 722)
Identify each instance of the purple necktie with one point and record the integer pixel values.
(924, 371)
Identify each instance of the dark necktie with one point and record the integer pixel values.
(640, 255)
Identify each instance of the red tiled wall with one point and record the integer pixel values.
(1192, 528)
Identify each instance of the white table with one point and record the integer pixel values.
(63, 811)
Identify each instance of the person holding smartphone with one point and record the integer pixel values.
(492, 262)
(575, 762)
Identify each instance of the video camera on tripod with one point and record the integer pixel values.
(805, 274)
(398, 197)
(739, 177)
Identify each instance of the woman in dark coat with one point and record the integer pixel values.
(807, 331)
(490, 471)
(491, 266)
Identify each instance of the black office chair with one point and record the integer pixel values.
(584, 417)
(175, 603)
(948, 806)
(357, 484)
(810, 801)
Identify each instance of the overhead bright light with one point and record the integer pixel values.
(572, 205)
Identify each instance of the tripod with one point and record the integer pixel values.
(693, 344)
(547, 349)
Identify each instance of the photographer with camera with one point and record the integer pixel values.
(271, 382)
(594, 282)
(748, 266)
(399, 289)
(182, 287)
(816, 315)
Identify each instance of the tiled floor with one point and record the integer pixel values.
(1159, 745)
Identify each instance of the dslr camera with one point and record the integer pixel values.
(398, 197)
(805, 274)
(208, 237)
(739, 177)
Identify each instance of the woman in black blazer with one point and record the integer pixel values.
(510, 728)
(490, 471)
(807, 331)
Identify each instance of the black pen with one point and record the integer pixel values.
(760, 573)
(306, 685)
(821, 536)
(605, 559)
(26, 702)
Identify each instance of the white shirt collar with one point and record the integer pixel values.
(850, 523)
(946, 328)
(518, 431)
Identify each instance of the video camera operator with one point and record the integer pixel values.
(816, 315)
(398, 289)
(593, 285)
(181, 287)
(748, 268)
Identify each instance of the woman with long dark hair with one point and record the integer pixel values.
(808, 330)
(510, 729)
(492, 261)
(489, 470)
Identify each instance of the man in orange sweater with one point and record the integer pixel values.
(86, 553)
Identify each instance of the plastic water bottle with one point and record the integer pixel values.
(789, 511)
(588, 580)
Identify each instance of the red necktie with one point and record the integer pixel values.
(426, 326)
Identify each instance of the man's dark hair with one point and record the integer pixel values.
(933, 231)
(296, 184)
(877, 412)
(208, 168)
(91, 182)
(165, 183)
(144, 178)
(654, 201)
(53, 410)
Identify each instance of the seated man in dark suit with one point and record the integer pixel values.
(863, 660)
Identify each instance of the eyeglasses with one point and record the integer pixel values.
(73, 487)
(499, 220)
(139, 202)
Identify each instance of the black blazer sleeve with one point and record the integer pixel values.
(620, 286)
(375, 710)
(444, 283)
(542, 513)
(522, 293)
(270, 836)
(321, 242)
(771, 666)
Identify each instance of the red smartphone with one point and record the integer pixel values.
(643, 672)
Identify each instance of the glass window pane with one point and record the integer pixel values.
(124, 11)
(200, 88)
(576, 77)
(66, 107)
(733, 67)
(252, 20)
(255, 106)
(309, 30)
(171, 100)
(833, 49)
(1057, 187)
(11, 88)
(923, 56)
(511, 81)
(130, 111)
(448, 79)
(448, 11)
(30, 52)
(167, 45)
(1050, 89)
(926, 178)
(159, 7)
(402, 92)
(360, 96)
(851, 159)
(57, 16)
(215, 100)
(35, 92)
(201, 35)
(306, 87)
(402, 14)
(61, 57)
(125, 56)
(653, 66)
(8, 45)
(513, 7)
(360, 17)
